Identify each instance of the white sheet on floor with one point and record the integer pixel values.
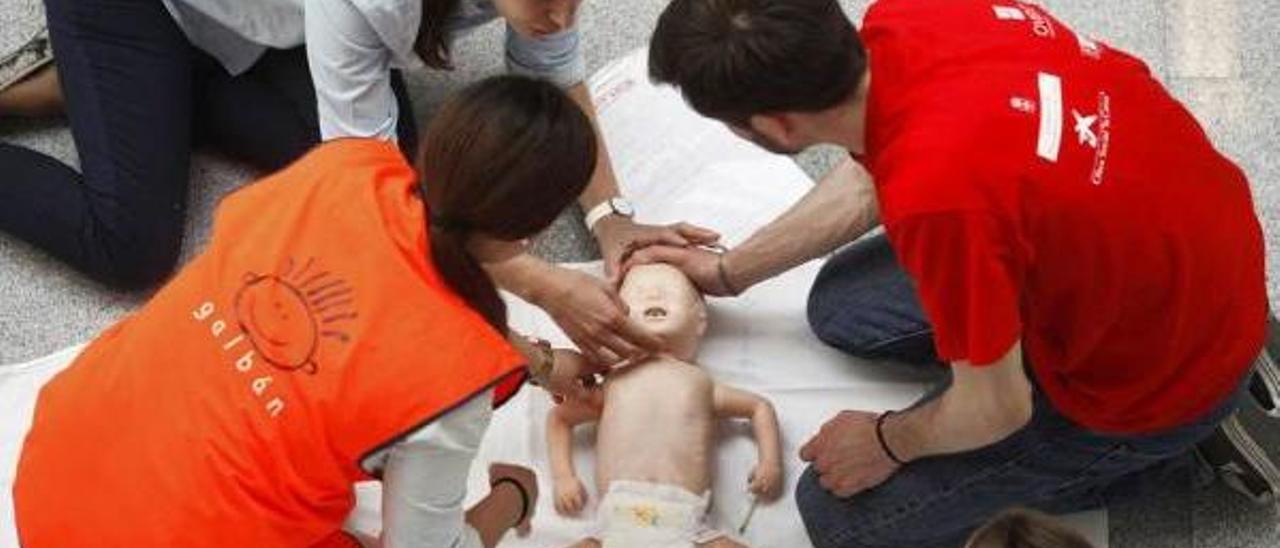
(677, 166)
(19, 386)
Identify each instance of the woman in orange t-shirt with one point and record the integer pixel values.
(340, 326)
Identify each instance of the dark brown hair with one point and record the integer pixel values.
(1022, 528)
(432, 43)
(504, 157)
(733, 59)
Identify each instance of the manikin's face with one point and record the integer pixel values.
(664, 302)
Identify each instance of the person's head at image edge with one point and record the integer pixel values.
(531, 18)
(774, 71)
(500, 161)
(1022, 528)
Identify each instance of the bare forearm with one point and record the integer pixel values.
(983, 406)
(839, 209)
(604, 184)
(525, 275)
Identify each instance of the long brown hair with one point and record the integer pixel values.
(504, 157)
(432, 43)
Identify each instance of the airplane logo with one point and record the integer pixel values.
(1084, 128)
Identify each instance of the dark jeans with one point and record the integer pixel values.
(864, 304)
(138, 96)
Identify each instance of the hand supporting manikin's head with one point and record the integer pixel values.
(666, 303)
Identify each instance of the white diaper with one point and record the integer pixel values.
(637, 514)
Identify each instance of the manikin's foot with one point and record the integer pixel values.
(37, 95)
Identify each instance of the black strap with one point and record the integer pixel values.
(524, 496)
(883, 444)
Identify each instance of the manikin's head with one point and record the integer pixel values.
(664, 302)
(784, 74)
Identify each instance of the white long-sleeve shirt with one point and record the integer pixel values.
(352, 45)
(424, 479)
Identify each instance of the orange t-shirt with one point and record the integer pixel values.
(235, 407)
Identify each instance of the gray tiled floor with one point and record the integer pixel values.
(1221, 56)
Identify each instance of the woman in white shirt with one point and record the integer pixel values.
(142, 78)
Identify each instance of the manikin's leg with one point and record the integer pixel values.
(124, 68)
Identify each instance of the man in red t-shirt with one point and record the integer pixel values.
(1058, 229)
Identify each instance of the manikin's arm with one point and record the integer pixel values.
(570, 495)
(766, 480)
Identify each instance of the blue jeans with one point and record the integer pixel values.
(864, 304)
(138, 97)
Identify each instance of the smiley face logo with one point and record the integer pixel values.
(286, 315)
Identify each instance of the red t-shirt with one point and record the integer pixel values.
(1042, 186)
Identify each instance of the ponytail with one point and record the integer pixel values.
(502, 158)
(465, 276)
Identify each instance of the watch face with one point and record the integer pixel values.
(622, 207)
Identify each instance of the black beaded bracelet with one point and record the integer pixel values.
(524, 496)
(883, 444)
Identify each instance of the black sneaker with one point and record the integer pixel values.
(1240, 452)
(1264, 386)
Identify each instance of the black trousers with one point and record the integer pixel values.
(138, 97)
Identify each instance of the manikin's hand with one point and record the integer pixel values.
(617, 235)
(700, 265)
(527, 479)
(571, 496)
(766, 480)
(847, 455)
(593, 316)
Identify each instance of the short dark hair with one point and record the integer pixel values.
(733, 59)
